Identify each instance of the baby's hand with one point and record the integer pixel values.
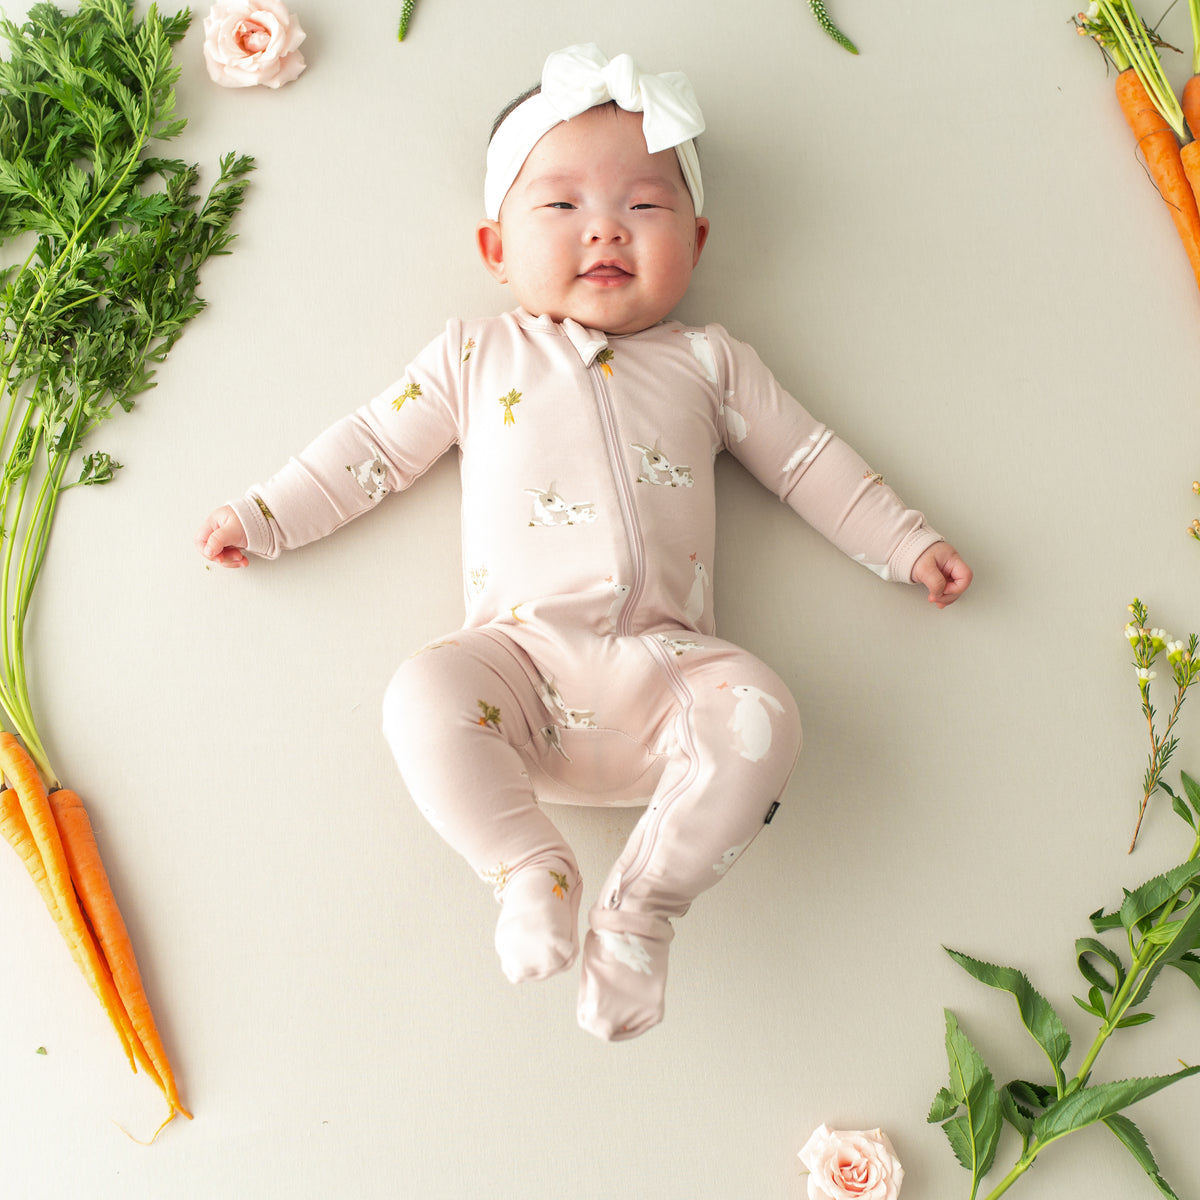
(943, 572)
(221, 539)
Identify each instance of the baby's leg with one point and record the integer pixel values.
(739, 734)
(456, 716)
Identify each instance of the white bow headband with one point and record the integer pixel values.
(579, 78)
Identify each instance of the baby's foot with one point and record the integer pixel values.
(538, 932)
(624, 974)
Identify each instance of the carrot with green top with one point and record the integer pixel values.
(1151, 109)
(1163, 157)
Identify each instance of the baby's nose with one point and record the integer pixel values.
(607, 229)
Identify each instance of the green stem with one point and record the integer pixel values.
(1194, 9)
(1137, 48)
(1019, 1168)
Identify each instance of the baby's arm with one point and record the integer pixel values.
(221, 539)
(942, 571)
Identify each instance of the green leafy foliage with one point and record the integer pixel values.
(104, 240)
(1037, 1013)
(1160, 924)
(969, 1109)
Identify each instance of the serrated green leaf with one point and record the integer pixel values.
(1102, 922)
(973, 1136)
(1145, 901)
(1037, 1013)
(1131, 1138)
(1019, 1117)
(1091, 1104)
(1192, 788)
(945, 1105)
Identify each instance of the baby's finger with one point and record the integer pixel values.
(226, 556)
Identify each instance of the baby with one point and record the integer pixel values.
(587, 425)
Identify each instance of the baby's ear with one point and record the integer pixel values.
(701, 238)
(491, 249)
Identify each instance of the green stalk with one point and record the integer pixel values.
(1130, 36)
(1194, 10)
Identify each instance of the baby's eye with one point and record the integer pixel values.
(563, 204)
(636, 207)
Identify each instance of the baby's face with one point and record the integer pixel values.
(596, 228)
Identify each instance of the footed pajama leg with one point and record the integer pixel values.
(738, 736)
(457, 715)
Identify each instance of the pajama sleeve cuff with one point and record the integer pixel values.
(909, 550)
(260, 537)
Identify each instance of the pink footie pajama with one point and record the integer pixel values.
(587, 671)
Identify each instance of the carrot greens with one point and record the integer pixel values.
(103, 241)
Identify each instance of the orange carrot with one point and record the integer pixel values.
(1190, 154)
(1191, 105)
(18, 768)
(15, 830)
(96, 895)
(1161, 152)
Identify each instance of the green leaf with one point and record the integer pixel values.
(1183, 811)
(1192, 788)
(1037, 1013)
(1146, 900)
(1102, 922)
(1019, 1117)
(1189, 964)
(1136, 1019)
(1131, 1138)
(1091, 1104)
(974, 1134)
(945, 1105)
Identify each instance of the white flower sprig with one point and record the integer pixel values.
(1148, 645)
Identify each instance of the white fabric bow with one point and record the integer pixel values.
(579, 78)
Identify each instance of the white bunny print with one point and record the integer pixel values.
(884, 572)
(550, 509)
(702, 349)
(656, 467)
(729, 858)
(693, 607)
(627, 949)
(620, 595)
(751, 721)
(369, 475)
(815, 442)
(735, 423)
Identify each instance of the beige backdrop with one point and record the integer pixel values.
(947, 247)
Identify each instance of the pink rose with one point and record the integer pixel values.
(855, 1164)
(252, 41)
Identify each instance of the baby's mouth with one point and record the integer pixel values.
(605, 272)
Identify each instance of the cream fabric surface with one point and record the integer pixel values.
(978, 288)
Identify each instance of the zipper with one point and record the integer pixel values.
(633, 528)
(637, 546)
(655, 814)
